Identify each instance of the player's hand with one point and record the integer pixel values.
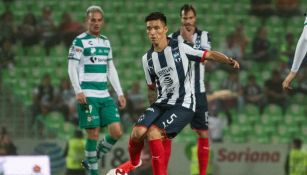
(122, 102)
(81, 98)
(287, 82)
(235, 64)
(186, 35)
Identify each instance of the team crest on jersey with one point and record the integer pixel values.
(176, 55)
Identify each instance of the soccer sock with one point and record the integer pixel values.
(167, 144)
(135, 149)
(157, 157)
(91, 156)
(203, 155)
(105, 145)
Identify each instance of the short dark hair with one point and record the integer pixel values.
(297, 143)
(156, 16)
(187, 7)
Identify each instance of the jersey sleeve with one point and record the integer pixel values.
(300, 51)
(205, 42)
(193, 54)
(149, 75)
(76, 50)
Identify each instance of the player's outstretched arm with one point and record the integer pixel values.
(220, 57)
(300, 52)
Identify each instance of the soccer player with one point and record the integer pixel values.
(167, 72)
(90, 66)
(190, 34)
(300, 52)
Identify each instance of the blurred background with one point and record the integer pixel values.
(37, 102)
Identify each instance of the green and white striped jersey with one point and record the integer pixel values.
(93, 54)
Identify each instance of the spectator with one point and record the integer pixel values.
(274, 93)
(287, 48)
(7, 27)
(65, 99)
(253, 93)
(28, 32)
(287, 8)
(216, 127)
(240, 37)
(43, 96)
(232, 48)
(69, 29)
(48, 30)
(233, 84)
(7, 147)
(262, 8)
(261, 46)
(7, 56)
(137, 101)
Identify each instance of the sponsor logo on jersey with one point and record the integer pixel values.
(168, 81)
(164, 71)
(96, 59)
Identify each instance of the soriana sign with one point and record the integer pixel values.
(251, 159)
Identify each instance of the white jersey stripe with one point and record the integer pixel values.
(96, 93)
(95, 77)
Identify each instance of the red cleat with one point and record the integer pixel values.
(124, 168)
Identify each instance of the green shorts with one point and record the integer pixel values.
(98, 112)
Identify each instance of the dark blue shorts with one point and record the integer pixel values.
(172, 119)
(200, 119)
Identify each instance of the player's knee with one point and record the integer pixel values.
(138, 133)
(93, 134)
(116, 134)
(154, 133)
(115, 131)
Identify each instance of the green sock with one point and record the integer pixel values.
(105, 145)
(91, 156)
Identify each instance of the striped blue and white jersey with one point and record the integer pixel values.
(169, 71)
(202, 41)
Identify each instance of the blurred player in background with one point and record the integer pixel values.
(193, 36)
(300, 53)
(90, 66)
(166, 66)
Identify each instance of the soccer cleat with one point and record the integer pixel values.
(124, 168)
(85, 164)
